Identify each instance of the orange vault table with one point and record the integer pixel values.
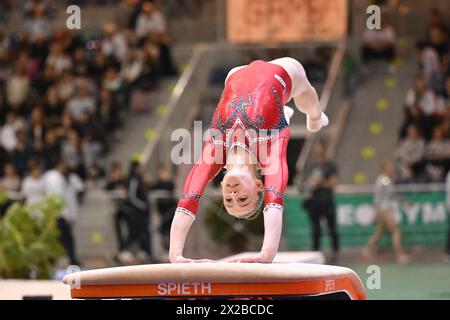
(218, 280)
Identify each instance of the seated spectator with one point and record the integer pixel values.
(66, 86)
(58, 59)
(422, 97)
(438, 40)
(436, 19)
(33, 187)
(81, 63)
(429, 64)
(379, 43)
(71, 153)
(437, 154)
(52, 148)
(150, 20)
(10, 180)
(108, 112)
(413, 115)
(17, 88)
(409, 155)
(37, 25)
(81, 102)
(22, 153)
(37, 129)
(114, 45)
(4, 157)
(8, 138)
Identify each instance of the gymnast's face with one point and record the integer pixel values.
(240, 190)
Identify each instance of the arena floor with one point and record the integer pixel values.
(417, 281)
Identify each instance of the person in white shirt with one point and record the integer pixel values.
(33, 187)
(114, 44)
(82, 102)
(421, 95)
(58, 182)
(150, 20)
(410, 154)
(379, 43)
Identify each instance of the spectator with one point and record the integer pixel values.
(167, 203)
(413, 116)
(33, 187)
(82, 102)
(38, 24)
(17, 88)
(139, 222)
(114, 45)
(150, 20)
(379, 43)
(56, 183)
(384, 204)
(10, 181)
(71, 152)
(429, 65)
(421, 95)
(410, 154)
(52, 148)
(66, 86)
(8, 138)
(436, 19)
(116, 184)
(58, 59)
(37, 130)
(321, 180)
(53, 107)
(22, 153)
(437, 154)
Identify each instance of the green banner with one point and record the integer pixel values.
(425, 222)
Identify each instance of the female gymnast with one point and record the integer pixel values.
(249, 137)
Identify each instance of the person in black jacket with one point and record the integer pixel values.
(139, 215)
(117, 186)
(321, 180)
(167, 203)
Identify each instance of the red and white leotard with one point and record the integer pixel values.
(249, 111)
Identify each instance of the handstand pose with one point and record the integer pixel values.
(251, 115)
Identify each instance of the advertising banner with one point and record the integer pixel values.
(425, 222)
(250, 21)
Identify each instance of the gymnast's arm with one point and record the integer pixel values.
(276, 177)
(201, 173)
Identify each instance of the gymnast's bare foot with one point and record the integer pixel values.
(314, 125)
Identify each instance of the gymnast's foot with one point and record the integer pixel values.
(403, 259)
(314, 125)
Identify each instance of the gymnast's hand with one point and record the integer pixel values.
(181, 259)
(253, 259)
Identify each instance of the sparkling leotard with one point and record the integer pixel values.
(249, 114)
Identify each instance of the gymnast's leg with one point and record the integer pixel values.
(304, 94)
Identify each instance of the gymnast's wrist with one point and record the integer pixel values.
(267, 256)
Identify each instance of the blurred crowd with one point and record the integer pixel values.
(424, 151)
(423, 154)
(64, 96)
(64, 99)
